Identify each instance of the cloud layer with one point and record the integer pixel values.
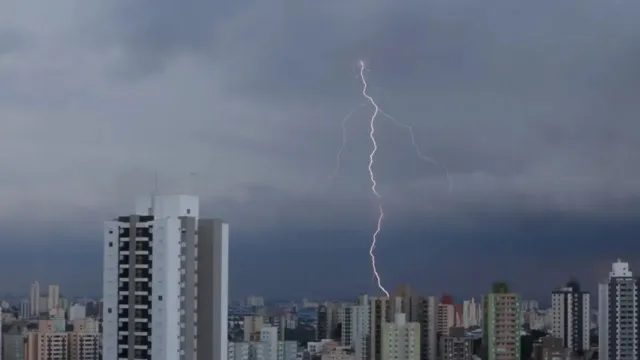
(531, 106)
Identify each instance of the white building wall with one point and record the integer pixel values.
(165, 288)
(221, 294)
(603, 321)
(269, 337)
(77, 312)
(110, 290)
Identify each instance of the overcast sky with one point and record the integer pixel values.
(532, 106)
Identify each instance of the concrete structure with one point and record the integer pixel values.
(166, 264)
(571, 322)
(400, 339)
(551, 348)
(77, 312)
(25, 309)
(238, 351)
(618, 315)
(50, 342)
(53, 297)
(427, 317)
(378, 310)
(471, 313)
(13, 343)
(85, 340)
(446, 318)
(252, 326)
(35, 299)
(456, 345)
(502, 324)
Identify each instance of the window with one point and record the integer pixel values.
(109, 310)
(160, 297)
(110, 244)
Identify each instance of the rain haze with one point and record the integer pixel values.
(532, 106)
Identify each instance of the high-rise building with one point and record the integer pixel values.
(35, 299)
(456, 345)
(446, 318)
(379, 310)
(53, 297)
(355, 327)
(502, 324)
(77, 312)
(571, 323)
(166, 264)
(619, 314)
(470, 312)
(252, 326)
(550, 348)
(25, 309)
(427, 317)
(322, 322)
(400, 339)
(13, 342)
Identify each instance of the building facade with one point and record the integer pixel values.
(165, 282)
(400, 339)
(35, 299)
(456, 345)
(570, 319)
(502, 324)
(619, 313)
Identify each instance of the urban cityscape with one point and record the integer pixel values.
(319, 180)
(165, 296)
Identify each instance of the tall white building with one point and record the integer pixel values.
(618, 315)
(166, 264)
(356, 327)
(571, 323)
(400, 339)
(446, 318)
(471, 313)
(35, 299)
(25, 310)
(53, 297)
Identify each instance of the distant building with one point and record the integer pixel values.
(77, 312)
(457, 345)
(322, 323)
(400, 339)
(571, 322)
(502, 323)
(25, 309)
(53, 298)
(446, 318)
(619, 314)
(13, 343)
(551, 348)
(252, 326)
(35, 300)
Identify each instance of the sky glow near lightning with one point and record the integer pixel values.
(372, 177)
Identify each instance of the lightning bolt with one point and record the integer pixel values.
(344, 140)
(372, 136)
(417, 148)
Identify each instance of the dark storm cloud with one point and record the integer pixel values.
(12, 40)
(531, 106)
